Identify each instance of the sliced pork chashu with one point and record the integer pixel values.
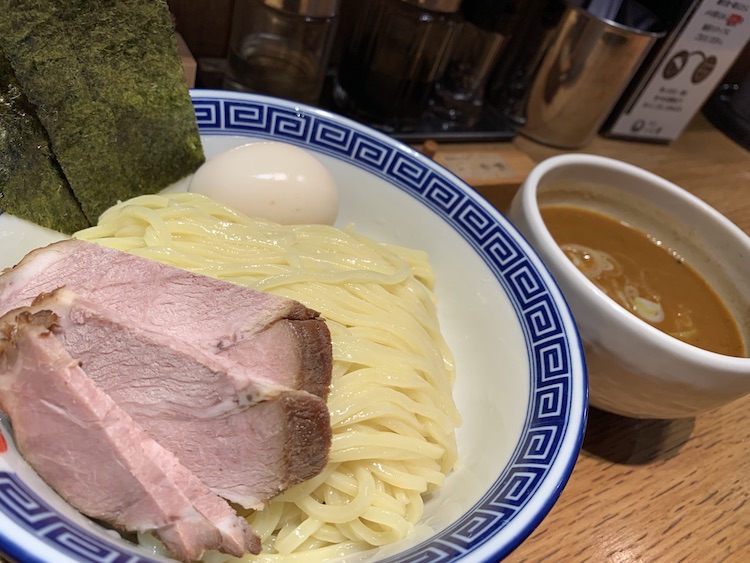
(96, 456)
(280, 342)
(245, 444)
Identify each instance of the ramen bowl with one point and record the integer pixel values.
(520, 373)
(636, 369)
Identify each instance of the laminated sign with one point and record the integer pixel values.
(695, 58)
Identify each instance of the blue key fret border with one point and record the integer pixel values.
(549, 356)
(34, 515)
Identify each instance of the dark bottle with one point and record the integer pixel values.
(396, 51)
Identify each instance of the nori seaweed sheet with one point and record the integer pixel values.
(107, 84)
(32, 186)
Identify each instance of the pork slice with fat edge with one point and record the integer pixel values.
(226, 319)
(97, 458)
(244, 449)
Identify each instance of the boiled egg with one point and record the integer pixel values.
(270, 180)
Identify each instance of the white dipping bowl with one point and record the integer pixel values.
(635, 369)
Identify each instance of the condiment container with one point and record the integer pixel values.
(568, 76)
(485, 27)
(281, 47)
(396, 51)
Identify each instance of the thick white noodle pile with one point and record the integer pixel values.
(391, 403)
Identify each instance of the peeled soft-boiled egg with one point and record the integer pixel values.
(270, 180)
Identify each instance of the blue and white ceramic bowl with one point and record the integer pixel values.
(521, 380)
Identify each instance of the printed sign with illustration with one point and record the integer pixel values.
(687, 74)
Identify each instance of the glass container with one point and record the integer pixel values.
(458, 96)
(396, 52)
(281, 47)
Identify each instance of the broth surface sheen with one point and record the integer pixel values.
(646, 278)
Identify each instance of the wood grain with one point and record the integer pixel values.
(660, 491)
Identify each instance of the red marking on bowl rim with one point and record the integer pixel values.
(3, 444)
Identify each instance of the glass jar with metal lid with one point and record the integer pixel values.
(281, 47)
(396, 51)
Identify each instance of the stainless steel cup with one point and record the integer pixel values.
(565, 88)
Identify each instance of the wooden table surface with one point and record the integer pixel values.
(660, 491)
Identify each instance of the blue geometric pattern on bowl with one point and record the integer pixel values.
(31, 512)
(551, 351)
(546, 338)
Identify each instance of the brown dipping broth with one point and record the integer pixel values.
(647, 279)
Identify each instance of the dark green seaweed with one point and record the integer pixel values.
(105, 79)
(32, 186)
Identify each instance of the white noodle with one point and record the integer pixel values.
(392, 410)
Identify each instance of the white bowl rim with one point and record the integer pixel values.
(631, 322)
(503, 537)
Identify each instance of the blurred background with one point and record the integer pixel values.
(558, 72)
